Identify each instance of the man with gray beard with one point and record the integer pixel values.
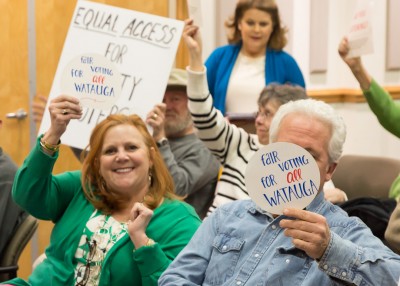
(191, 164)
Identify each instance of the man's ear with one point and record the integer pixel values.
(331, 169)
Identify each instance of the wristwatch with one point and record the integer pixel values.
(162, 142)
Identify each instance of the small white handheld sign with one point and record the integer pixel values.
(360, 35)
(282, 175)
(93, 79)
(194, 7)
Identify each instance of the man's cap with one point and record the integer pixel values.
(178, 78)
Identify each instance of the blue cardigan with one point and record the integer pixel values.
(281, 68)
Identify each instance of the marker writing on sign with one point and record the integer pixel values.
(295, 175)
(268, 181)
(130, 79)
(156, 33)
(359, 26)
(91, 115)
(269, 158)
(292, 192)
(293, 163)
(90, 88)
(96, 20)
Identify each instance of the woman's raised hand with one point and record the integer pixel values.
(192, 38)
(62, 109)
(344, 49)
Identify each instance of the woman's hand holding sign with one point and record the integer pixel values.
(62, 109)
(309, 231)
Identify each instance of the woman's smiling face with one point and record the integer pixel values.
(125, 160)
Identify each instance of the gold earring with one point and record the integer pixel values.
(150, 179)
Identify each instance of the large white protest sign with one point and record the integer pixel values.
(282, 175)
(360, 35)
(141, 46)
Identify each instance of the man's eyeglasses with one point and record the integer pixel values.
(83, 273)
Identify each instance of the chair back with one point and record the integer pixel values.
(14, 248)
(365, 176)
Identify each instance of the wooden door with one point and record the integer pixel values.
(52, 21)
(14, 134)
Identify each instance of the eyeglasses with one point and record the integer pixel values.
(264, 115)
(84, 270)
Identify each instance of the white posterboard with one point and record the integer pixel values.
(141, 46)
(282, 175)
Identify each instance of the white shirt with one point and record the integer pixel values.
(245, 84)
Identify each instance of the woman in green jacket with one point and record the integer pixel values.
(117, 222)
(388, 113)
(381, 103)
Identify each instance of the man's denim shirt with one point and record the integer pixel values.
(239, 244)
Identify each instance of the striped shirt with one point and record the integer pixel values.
(232, 145)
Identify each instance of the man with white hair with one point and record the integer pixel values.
(240, 244)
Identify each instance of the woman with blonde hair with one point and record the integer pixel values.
(117, 222)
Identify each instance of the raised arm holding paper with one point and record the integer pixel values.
(387, 112)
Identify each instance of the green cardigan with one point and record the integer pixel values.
(60, 198)
(388, 113)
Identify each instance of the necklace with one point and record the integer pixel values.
(99, 235)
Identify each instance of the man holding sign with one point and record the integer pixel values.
(242, 244)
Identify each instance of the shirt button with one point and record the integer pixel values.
(334, 270)
(326, 267)
(287, 260)
(344, 274)
(224, 247)
(256, 255)
(273, 226)
(238, 282)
